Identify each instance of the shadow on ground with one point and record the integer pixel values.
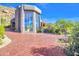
(44, 51)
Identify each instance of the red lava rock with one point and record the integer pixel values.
(24, 44)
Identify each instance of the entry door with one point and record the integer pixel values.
(28, 21)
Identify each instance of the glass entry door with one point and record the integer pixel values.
(28, 21)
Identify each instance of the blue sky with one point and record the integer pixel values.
(52, 12)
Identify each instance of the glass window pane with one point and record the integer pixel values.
(28, 20)
(37, 21)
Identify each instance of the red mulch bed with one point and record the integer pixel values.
(31, 44)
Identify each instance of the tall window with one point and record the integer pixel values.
(28, 20)
(37, 21)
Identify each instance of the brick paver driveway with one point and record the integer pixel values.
(32, 44)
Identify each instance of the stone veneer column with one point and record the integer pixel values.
(16, 18)
(22, 26)
(34, 22)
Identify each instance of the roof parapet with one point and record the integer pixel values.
(32, 7)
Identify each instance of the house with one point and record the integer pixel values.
(43, 24)
(27, 19)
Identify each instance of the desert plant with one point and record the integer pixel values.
(73, 48)
(39, 31)
(4, 22)
(61, 26)
(64, 26)
(2, 31)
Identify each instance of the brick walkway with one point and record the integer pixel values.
(32, 44)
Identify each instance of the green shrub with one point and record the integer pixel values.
(61, 26)
(4, 22)
(73, 48)
(39, 31)
(2, 31)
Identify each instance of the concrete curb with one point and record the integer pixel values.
(6, 41)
